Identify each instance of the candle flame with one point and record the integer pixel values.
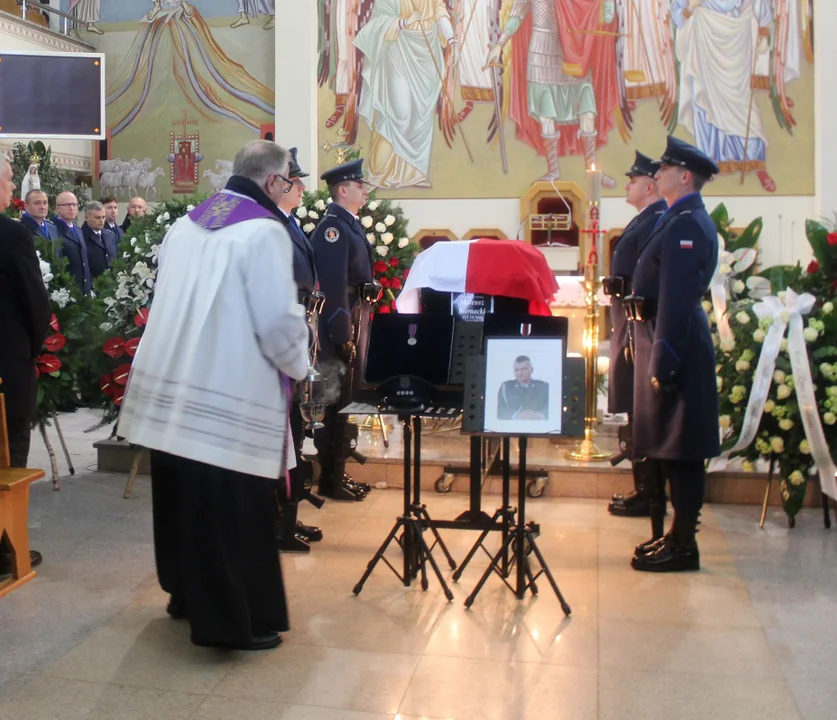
(593, 167)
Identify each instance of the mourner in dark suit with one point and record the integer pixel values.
(675, 392)
(111, 205)
(294, 536)
(101, 244)
(35, 217)
(641, 192)
(344, 268)
(73, 246)
(523, 398)
(24, 321)
(137, 207)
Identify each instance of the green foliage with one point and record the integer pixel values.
(62, 358)
(53, 179)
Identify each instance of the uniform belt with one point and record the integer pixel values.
(640, 309)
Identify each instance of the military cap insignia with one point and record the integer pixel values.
(332, 234)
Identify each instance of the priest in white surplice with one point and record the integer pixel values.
(716, 84)
(87, 12)
(402, 77)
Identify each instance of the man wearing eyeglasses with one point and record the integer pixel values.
(344, 267)
(73, 246)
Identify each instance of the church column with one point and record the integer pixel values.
(825, 107)
(296, 80)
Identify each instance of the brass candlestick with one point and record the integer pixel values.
(586, 450)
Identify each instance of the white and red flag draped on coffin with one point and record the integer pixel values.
(508, 268)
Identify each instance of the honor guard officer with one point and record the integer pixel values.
(641, 192)
(675, 391)
(344, 267)
(294, 536)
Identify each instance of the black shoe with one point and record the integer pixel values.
(176, 608)
(35, 558)
(298, 543)
(634, 505)
(669, 557)
(309, 532)
(651, 545)
(268, 641)
(362, 486)
(343, 491)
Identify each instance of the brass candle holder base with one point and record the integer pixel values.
(587, 450)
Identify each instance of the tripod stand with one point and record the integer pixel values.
(521, 543)
(411, 523)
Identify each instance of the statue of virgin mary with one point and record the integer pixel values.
(31, 181)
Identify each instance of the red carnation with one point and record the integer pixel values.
(813, 267)
(55, 343)
(115, 348)
(142, 317)
(396, 284)
(384, 282)
(53, 323)
(405, 274)
(18, 204)
(106, 385)
(393, 262)
(832, 238)
(48, 364)
(131, 346)
(384, 310)
(120, 375)
(380, 267)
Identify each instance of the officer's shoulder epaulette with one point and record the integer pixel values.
(49, 222)
(685, 212)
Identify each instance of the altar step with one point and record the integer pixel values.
(562, 478)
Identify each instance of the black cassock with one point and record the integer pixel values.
(674, 344)
(215, 547)
(628, 247)
(24, 322)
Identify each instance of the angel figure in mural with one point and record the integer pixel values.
(791, 45)
(648, 64)
(565, 89)
(716, 88)
(409, 54)
(87, 13)
(254, 8)
(339, 20)
(476, 23)
(174, 46)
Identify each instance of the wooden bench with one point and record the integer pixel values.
(14, 510)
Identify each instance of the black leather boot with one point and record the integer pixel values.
(309, 532)
(677, 553)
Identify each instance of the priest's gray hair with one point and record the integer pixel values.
(259, 159)
(92, 207)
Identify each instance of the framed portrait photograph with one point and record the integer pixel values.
(523, 385)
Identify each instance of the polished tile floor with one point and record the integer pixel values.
(751, 636)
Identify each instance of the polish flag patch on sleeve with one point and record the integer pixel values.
(686, 244)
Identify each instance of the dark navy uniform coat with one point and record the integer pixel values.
(74, 249)
(513, 397)
(101, 249)
(620, 383)
(47, 230)
(675, 346)
(343, 261)
(305, 271)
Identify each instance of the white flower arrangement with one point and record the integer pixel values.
(302, 211)
(308, 228)
(320, 205)
(382, 250)
(387, 238)
(61, 297)
(380, 227)
(367, 221)
(403, 242)
(389, 220)
(370, 238)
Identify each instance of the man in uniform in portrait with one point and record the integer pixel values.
(344, 268)
(675, 391)
(641, 192)
(523, 398)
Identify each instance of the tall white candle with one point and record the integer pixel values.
(594, 185)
